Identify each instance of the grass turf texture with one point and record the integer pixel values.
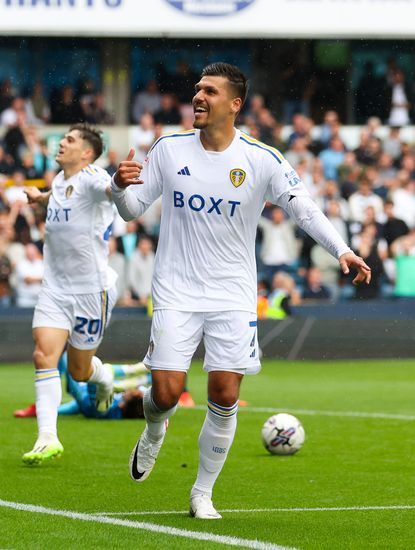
(346, 461)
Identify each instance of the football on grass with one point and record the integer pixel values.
(283, 434)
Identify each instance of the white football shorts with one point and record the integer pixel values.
(84, 316)
(230, 339)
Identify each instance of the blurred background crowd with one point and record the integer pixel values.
(367, 191)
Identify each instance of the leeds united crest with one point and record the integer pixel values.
(237, 176)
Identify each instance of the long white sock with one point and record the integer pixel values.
(215, 440)
(48, 398)
(99, 374)
(155, 418)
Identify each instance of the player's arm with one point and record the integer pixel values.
(125, 186)
(311, 219)
(35, 196)
(286, 189)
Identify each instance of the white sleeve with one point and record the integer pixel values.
(127, 203)
(133, 201)
(98, 185)
(304, 211)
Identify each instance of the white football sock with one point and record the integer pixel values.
(100, 375)
(155, 418)
(48, 398)
(215, 440)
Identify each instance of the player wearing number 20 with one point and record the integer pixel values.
(78, 290)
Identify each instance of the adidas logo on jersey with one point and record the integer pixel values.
(184, 171)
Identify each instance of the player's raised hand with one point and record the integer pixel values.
(128, 172)
(364, 273)
(33, 194)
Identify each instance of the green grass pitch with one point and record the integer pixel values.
(352, 485)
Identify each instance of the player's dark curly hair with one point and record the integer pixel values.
(91, 135)
(236, 77)
(133, 408)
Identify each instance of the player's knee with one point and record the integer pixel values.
(40, 360)
(165, 400)
(223, 396)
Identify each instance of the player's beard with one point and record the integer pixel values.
(199, 125)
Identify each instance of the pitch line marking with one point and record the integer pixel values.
(153, 527)
(308, 412)
(257, 510)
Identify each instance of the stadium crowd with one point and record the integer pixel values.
(368, 193)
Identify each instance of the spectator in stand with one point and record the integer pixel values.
(393, 227)
(277, 138)
(408, 164)
(68, 109)
(42, 158)
(5, 273)
(113, 162)
(329, 270)
(143, 137)
(37, 106)
(349, 172)
(386, 168)
(97, 111)
(127, 242)
(10, 116)
(279, 250)
(361, 149)
(283, 294)
(256, 103)
(140, 272)
(399, 100)
(372, 151)
(28, 166)
(332, 157)
(6, 162)
(402, 193)
(13, 249)
(29, 274)
(266, 124)
(373, 251)
(329, 128)
(361, 199)
(168, 113)
(15, 119)
(7, 93)
(146, 101)
(16, 191)
(314, 289)
(300, 129)
(331, 193)
(392, 145)
(298, 152)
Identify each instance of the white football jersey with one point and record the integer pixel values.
(211, 203)
(78, 225)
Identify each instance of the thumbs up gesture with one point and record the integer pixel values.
(128, 172)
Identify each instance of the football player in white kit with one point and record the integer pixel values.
(78, 289)
(214, 181)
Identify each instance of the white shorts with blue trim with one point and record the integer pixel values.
(84, 316)
(230, 339)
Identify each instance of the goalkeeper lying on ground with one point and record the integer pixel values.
(129, 383)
